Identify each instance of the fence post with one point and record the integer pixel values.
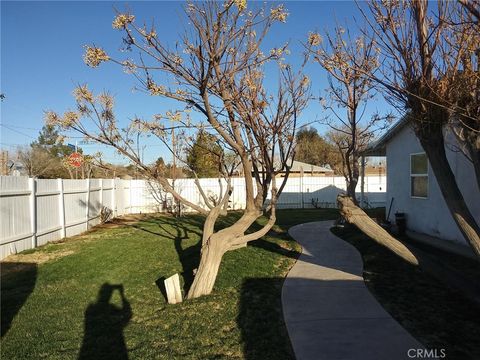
(114, 199)
(101, 194)
(61, 208)
(301, 187)
(130, 197)
(32, 185)
(87, 212)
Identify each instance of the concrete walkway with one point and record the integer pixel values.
(329, 312)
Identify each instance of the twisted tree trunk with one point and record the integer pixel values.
(212, 254)
(216, 244)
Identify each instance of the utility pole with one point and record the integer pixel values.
(4, 162)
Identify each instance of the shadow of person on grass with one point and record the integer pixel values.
(104, 323)
(17, 283)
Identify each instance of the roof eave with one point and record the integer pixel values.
(379, 147)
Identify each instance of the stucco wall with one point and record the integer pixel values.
(429, 216)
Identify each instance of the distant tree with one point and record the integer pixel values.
(37, 161)
(204, 157)
(168, 170)
(313, 149)
(50, 147)
(102, 169)
(51, 141)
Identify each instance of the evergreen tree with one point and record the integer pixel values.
(50, 140)
(205, 155)
(50, 144)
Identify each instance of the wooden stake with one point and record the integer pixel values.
(172, 287)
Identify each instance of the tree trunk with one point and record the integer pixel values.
(356, 216)
(212, 253)
(352, 173)
(351, 187)
(437, 157)
(215, 245)
(474, 153)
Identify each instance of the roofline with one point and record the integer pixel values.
(378, 148)
(310, 167)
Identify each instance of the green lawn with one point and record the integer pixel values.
(436, 315)
(67, 304)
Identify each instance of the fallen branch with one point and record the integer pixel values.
(356, 216)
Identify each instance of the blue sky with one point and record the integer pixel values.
(41, 60)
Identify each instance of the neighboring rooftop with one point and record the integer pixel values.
(298, 166)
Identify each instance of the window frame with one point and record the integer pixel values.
(418, 175)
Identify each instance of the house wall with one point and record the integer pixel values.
(429, 216)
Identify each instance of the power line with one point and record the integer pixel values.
(21, 127)
(11, 145)
(18, 132)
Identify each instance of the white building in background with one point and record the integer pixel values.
(413, 189)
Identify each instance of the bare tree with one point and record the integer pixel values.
(347, 61)
(37, 161)
(416, 78)
(218, 70)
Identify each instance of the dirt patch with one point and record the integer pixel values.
(37, 257)
(126, 220)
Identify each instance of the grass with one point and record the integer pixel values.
(437, 316)
(64, 300)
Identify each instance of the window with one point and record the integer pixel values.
(419, 175)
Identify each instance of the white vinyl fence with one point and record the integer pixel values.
(34, 212)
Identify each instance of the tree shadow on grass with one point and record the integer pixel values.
(261, 322)
(274, 248)
(181, 229)
(104, 323)
(178, 231)
(17, 283)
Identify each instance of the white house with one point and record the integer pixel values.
(413, 189)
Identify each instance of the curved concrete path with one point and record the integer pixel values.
(329, 312)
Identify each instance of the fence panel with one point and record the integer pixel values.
(48, 224)
(15, 226)
(75, 199)
(95, 202)
(120, 201)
